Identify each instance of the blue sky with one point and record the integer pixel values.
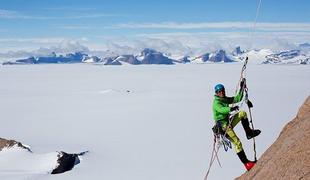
(93, 23)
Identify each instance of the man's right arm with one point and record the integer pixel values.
(221, 109)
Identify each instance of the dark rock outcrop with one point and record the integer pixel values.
(237, 51)
(65, 161)
(150, 56)
(185, 59)
(305, 61)
(219, 56)
(91, 59)
(5, 143)
(304, 45)
(288, 157)
(52, 59)
(284, 56)
(205, 57)
(111, 61)
(128, 59)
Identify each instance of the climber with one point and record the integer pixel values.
(226, 120)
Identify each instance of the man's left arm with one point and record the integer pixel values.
(239, 96)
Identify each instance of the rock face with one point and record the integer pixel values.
(289, 156)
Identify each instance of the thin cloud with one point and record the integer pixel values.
(177, 43)
(226, 34)
(8, 14)
(69, 9)
(32, 40)
(76, 27)
(182, 43)
(48, 47)
(88, 16)
(217, 25)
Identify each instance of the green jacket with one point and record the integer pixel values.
(221, 107)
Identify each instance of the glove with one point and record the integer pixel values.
(242, 84)
(234, 108)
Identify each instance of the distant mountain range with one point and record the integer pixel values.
(77, 57)
(288, 57)
(151, 56)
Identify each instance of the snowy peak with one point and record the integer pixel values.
(237, 51)
(151, 56)
(205, 57)
(130, 59)
(184, 60)
(92, 59)
(219, 56)
(287, 57)
(288, 54)
(148, 51)
(214, 57)
(68, 58)
(256, 56)
(147, 56)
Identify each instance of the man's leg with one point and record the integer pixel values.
(233, 138)
(242, 116)
(231, 135)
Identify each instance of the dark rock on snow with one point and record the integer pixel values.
(150, 56)
(65, 160)
(131, 59)
(111, 61)
(185, 59)
(5, 143)
(219, 56)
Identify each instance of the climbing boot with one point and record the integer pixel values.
(249, 165)
(250, 133)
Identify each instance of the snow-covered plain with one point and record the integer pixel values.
(138, 122)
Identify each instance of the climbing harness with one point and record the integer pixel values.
(220, 138)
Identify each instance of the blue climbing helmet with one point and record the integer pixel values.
(218, 87)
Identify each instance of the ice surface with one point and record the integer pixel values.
(18, 163)
(138, 122)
